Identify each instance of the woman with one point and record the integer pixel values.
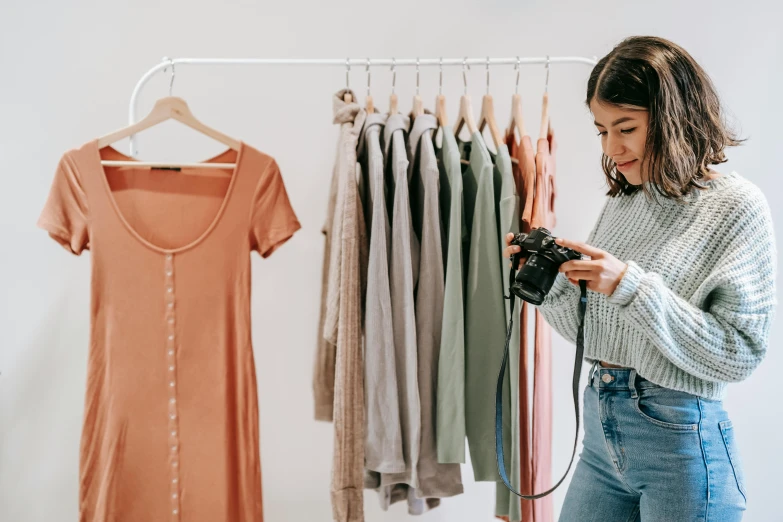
(681, 273)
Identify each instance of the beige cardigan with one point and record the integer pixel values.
(345, 263)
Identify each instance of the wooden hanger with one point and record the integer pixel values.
(465, 116)
(544, 130)
(517, 122)
(393, 97)
(487, 116)
(440, 110)
(168, 108)
(368, 104)
(418, 105)
(440, 101)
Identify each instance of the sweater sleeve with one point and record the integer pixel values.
(560, 307)
(726, 337)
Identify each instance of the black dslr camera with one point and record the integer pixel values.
(537, 275)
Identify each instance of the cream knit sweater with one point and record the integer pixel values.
(694, 309)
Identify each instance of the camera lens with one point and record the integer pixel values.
(535, 279)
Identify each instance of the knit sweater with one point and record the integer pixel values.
(694, 308)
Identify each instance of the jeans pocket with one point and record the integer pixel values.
(670, 409)
(727, 431)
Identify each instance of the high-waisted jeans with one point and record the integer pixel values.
(652, 454)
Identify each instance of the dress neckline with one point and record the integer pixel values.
(101, 172)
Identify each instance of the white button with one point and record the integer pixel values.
(607, 378)
(172, 401)
(173, 433)
(174, 448)
(174, 481)
(171, 320)
(171, 337)
(171, 352)
(173, 495)
(168, 272)
(170, 290)
(171, 368)
(171, 384)
(173, 416)
(174, 463)
(168, 256)
(175, 511)
(171, 305)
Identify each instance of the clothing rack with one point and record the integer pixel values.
(342, 62)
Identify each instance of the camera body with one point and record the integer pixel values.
(544, 257)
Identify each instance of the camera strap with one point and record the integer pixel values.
(575, 384)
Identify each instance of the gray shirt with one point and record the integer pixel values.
(383, 450)
(485, 328)
(450, 419)
(435, 480)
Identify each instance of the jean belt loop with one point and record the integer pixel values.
(591, 374)
(632, 383)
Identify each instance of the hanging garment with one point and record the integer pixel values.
(383, 452)
(525, 177)
(485, 330)
(506, 504)
(435, 480)
(450, 418)
(394, 487)
(170, 430)
(342, 324)
(543, 216)
(323, 368)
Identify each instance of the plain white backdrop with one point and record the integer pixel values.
(68, 69)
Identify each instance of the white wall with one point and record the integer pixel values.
(67, 73)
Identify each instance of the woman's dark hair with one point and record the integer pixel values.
(686, 132)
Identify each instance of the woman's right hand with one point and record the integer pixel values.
(512, 249)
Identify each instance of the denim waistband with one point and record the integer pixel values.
(617, 379)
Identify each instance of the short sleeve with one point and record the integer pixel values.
(65, 215)
(272, 220)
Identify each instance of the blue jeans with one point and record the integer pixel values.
(653, 454)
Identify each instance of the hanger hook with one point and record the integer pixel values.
(516, 91)
(440, 81)
(546, 85)
(465, 68)
(417, 76)
(347, 73)
(171, 64)
(368, 76)
(487, 75)
(394, 74)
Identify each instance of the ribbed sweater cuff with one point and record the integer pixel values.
(324, 411)
(629, 284)
(348, 505)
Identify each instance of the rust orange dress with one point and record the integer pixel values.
(170, 428)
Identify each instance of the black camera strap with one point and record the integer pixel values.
(575, 384)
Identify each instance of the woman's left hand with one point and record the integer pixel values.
(602, 271)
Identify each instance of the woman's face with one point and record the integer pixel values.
(623, 135)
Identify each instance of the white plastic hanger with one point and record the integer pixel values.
(175, 108)
(465, 116)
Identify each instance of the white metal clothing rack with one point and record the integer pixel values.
(344, 62)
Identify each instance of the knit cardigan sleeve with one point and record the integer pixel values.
(726, 337)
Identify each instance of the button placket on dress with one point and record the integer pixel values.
(171, 374)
